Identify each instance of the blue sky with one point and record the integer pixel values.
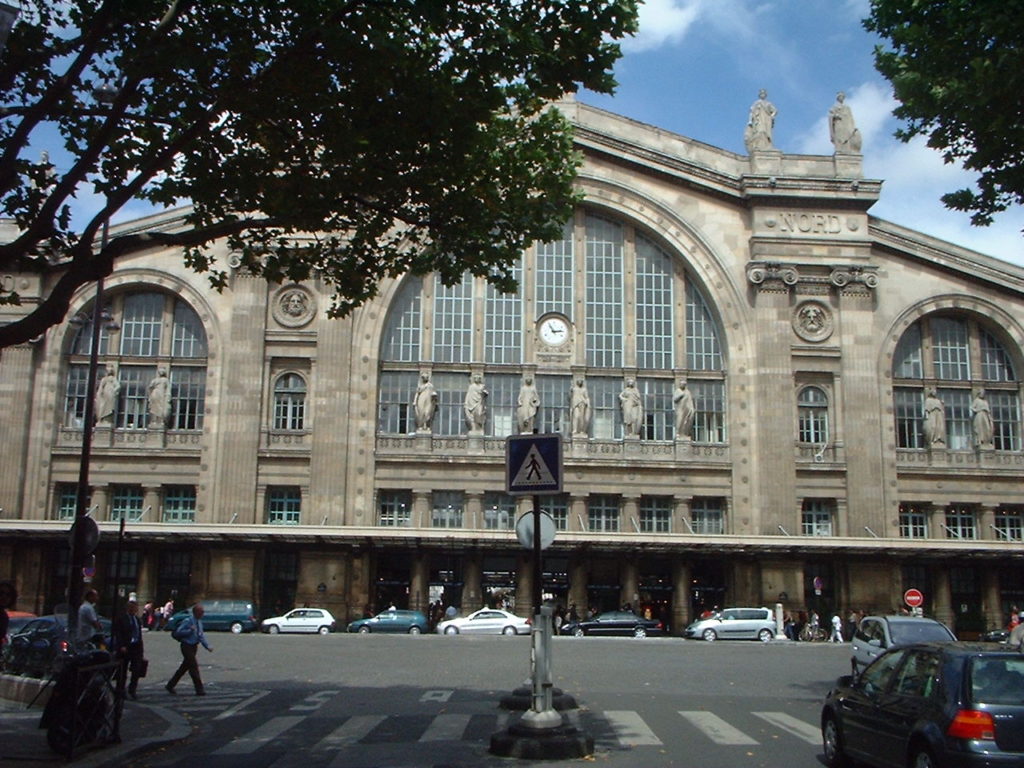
(696, 66)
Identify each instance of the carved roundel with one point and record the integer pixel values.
(294, 306)
(812, 321)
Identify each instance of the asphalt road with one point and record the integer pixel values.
(356, 700)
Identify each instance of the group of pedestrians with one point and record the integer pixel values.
(807, 626)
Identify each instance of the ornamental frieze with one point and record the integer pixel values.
(774, 276)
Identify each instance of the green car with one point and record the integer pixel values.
(411, 622)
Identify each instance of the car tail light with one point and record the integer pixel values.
(660, 626)
(529, 621)
(972, 724)
(65, 646)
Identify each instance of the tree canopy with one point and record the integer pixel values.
(957, 69)
(352, 139)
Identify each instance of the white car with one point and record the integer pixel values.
(487, 621)
(306, 620)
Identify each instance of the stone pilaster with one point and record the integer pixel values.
(472, 577)
(629, 580)
(682, 597)
(419, 581)
(942, 607)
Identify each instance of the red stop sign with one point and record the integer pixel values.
(913, 598)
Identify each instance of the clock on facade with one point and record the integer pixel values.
(553, 330)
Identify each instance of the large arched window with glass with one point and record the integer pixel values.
(617, 288)
(969, 366)
(290, 402)
(136, 347)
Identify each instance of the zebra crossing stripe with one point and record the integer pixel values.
(447, 727)
(717, 729)
(630, 729)
(233, 710)
(349, 732)
(790, 724)
(258, 737)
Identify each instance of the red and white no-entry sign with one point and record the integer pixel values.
(913, 598)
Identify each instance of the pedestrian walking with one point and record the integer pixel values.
(189, 634)
(837, 629)
(127, 642)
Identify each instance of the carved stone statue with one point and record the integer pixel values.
(475, 405)
(981, 418)
(579, 406)
(159, 398)
(934, 420)
(424, 404)
(527, 405)
(682, 399)
(841, 127)
(760, 124)
(106, 396)
(632, 409)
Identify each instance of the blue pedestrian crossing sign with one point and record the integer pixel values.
(533, 464)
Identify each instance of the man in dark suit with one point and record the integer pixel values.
(127, 641)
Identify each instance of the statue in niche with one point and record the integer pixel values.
(527, 405)
(579, 406)
(475, 405)
(159, 391)
(758, 133)
(981, 419)
(424, 404)
(841, 127)
(682, 399)
(934, 420)
(106, 396)
(632, 409)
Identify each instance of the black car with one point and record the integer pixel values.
(929, 705)
(614, 623)
(38, 644)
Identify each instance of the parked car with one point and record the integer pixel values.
(236, 616)
(995, 636)
(487, 621)
(306, 620)
(735, 624)
(875, 634)
(614, 623)
(929, 705)
(412, 622)
(15, 621)
(40, 643)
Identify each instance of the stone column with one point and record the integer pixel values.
(420, 509)
(682, 515)
(630, 521)
(524, 584)
(992, 604)
(578, 583)
(472, 577)
(151, 501)
(474, 511)
(942, 606)
(419, 581)
(577, 513)
(101, 502)
(629, 579)
(681, 595)
(987, 524)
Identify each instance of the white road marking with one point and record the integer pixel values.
(258, 737)
(314, 702)
(349, 732)
(436, 695)
(231, 711)
(630, 729)
(446, 728)
(809, 733)
(716, 729)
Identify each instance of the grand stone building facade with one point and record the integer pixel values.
(852, 426)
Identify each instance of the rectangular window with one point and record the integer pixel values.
(816, 517)
(604, 293)
(284, 505)
(188, 338)
(188, 398)
(499, 512)
(132, 410)
(141, 322)
(447, 509)
(501, 404)
(75, 396)
(659, 413)
(913, 522)
(709, 401)
(654, 307)
(395, 509)
(449, 418)
(453, 320)
(402, 338)
(554, 274)
(907, 362)
(957, 404)
(126, 503)
(656, 514)
(179, 504)
(949, 347)
(603, 513)
(1005, 420)
(961, 523)
(558, 507)
(703, 352)
(129, 570)
(908, 412)
(605, 414)
(1008, 524)
(553, 415)
(707, 516)
(66, 501)
(995, 363)
(394, 414)
(503, 324)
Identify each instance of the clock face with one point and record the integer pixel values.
(554, 331)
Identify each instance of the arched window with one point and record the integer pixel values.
(290, 402)
(972, 374)
(135, 350)
(812, 407)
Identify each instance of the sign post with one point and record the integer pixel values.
(913, 598)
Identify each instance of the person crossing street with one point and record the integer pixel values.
(189, 634)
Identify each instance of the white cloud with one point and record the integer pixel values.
(662, 22)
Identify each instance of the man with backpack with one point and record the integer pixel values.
(189, 634)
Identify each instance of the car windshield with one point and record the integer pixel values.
(997, 680)
(906, 632)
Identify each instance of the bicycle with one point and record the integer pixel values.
(813, 633)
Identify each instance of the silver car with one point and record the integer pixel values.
(735, 624)
(878, 633)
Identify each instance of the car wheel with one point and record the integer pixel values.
(273, 629)
(920, 757)
(832, 743)
(508, 631)
(324, 630)
(765, 635)
(639, 632)
(709, 635)
(414, 630)
(364, 630)
(578, 632)
(451, 630)
(236, 628)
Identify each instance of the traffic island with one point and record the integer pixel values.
(521, 698)
(561, 742)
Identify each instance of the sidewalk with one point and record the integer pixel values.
(23, 742)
